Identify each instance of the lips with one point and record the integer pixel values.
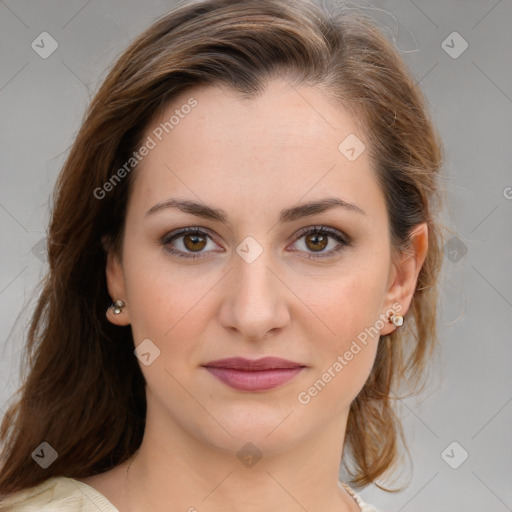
(254, 375)
(265, 363)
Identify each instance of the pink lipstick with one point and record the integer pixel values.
(254, 374)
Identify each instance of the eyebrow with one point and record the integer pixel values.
(287, 215)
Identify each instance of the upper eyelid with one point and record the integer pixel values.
(176, 233)
(167, 238)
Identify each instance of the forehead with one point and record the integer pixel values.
(282, 145)
(300, 120)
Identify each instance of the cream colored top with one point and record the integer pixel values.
(63, 494)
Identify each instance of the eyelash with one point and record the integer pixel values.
(343, 240)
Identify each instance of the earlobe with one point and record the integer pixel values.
(405, 274)
(117, 312)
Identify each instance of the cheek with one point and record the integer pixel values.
(346, 334)
(346, 303)
(151, 299)
(166, 305)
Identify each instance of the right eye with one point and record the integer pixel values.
(189, 239)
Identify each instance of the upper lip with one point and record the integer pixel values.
(265, 363)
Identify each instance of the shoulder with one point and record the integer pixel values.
(57, 493)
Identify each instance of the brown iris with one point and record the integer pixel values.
(319, 242)
(197, 242)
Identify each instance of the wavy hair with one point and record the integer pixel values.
(84, 392)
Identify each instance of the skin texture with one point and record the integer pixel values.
(252, 158)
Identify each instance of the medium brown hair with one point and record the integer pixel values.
(84, 392)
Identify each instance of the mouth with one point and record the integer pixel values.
(254, 375)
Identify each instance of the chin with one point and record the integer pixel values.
(270, 431)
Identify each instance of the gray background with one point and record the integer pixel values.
(469, 401)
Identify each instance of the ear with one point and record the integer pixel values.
(403, 276)
(116, 287)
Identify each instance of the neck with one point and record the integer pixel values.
(172, 470)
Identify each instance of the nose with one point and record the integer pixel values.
(255, 303)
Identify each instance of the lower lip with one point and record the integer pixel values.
(260, 380)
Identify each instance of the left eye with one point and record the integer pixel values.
(318, 238)
(195, 240)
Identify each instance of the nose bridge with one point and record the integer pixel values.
(254, 278)
(255, 303)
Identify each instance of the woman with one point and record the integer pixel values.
(245, 220)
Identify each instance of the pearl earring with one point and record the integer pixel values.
(117, 306)
(396, 320)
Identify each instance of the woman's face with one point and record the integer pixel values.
(255, 281)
